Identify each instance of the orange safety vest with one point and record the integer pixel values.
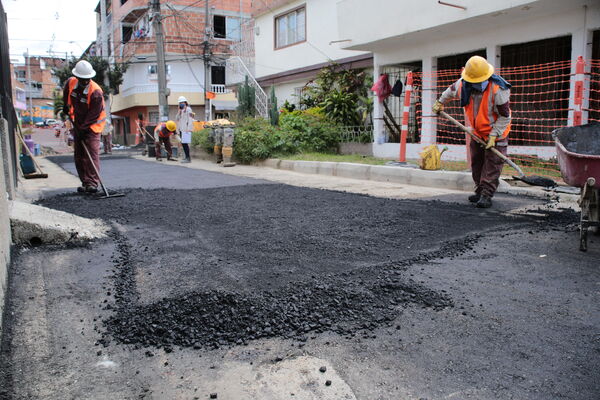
(97, 126)
(482, 122)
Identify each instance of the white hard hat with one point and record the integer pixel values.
(181, 99)
(84, 70)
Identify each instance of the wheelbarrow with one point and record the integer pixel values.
(578, 152)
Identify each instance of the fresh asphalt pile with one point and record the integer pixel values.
(225, 266)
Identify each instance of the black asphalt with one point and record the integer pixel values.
(407, 299)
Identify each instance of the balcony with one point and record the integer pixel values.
(219, 89)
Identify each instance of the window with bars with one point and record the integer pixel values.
(290, 28)
(594, 109)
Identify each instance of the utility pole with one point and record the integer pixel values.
(206, 56)
(28, 78)
(163, 106)
(103, 36)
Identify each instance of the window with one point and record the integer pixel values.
(126, 32)
(153, 117)
(153, 69)
(219, 27)
(226, 28)
(217, 75)
(21, 75)
(290, 28)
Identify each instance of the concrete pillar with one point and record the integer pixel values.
(493, 55)
(379, 135)
(581, 45)
(429, 96)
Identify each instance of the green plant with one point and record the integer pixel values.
(309, 131)
(57, 104)
(103, 69)
(253, 140)
(204, 140)
(343, 94)
(246, 100)
(273, 111)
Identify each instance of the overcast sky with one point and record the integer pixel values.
(34, 23)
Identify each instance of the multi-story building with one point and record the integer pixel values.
(130, 38)
(41, 88)
(536, 38)
(287, 44)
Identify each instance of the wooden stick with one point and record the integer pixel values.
(482, 143)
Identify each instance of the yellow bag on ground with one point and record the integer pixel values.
(431, 157)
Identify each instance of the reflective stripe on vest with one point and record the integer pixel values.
(486, 116)
(97, 126)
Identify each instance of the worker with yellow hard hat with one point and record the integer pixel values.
(485, 98)
(162, 134)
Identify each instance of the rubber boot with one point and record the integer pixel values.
(227, 153)
(218, 153)
(484, 202)
(474, 198)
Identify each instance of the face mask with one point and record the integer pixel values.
(480, 87)
(181, 106)
(83, 82)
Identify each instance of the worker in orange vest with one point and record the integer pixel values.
(84, 104)
(485, 98)
(162, 134)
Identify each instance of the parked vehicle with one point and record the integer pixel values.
(47, 122)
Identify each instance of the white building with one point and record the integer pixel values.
(291, 40)
(426, 35)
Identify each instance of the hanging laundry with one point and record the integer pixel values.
(382, 87)
(397, 89)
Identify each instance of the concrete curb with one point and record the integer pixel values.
(33, 224)
(381, 173)
(453, 180)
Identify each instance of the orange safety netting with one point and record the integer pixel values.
(540, 103)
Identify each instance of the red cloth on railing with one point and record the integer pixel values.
(382, 87)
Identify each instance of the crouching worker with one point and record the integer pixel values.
(162, 134)
(485, 99)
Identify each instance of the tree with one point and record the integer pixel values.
(273, 110)
(246, 99)
(103, 69)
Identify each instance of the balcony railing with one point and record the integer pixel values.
(219, 89)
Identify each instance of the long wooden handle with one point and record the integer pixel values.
(29, 151)
(481, 142)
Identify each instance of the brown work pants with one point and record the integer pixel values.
(486, 168)
(107, 142)
(167, 142)
(85, 168)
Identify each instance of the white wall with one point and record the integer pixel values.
(183, 78)
(321, 28)
(426, 46)
(409, 18)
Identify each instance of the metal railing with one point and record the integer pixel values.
(236, 67)
(356, 134)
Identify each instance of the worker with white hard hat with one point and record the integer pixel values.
(185, 126)
(84, 105)
(485, 98)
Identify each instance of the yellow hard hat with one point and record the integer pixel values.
(171, 126)
(477, 69)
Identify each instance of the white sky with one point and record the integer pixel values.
(33, 24)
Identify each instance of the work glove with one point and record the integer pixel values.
(491, 142)
(437, 107)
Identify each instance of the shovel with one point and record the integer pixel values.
(107, 195)
(533, 180)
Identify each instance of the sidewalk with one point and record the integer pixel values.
(368, 187)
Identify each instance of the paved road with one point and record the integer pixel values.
(399, 299)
